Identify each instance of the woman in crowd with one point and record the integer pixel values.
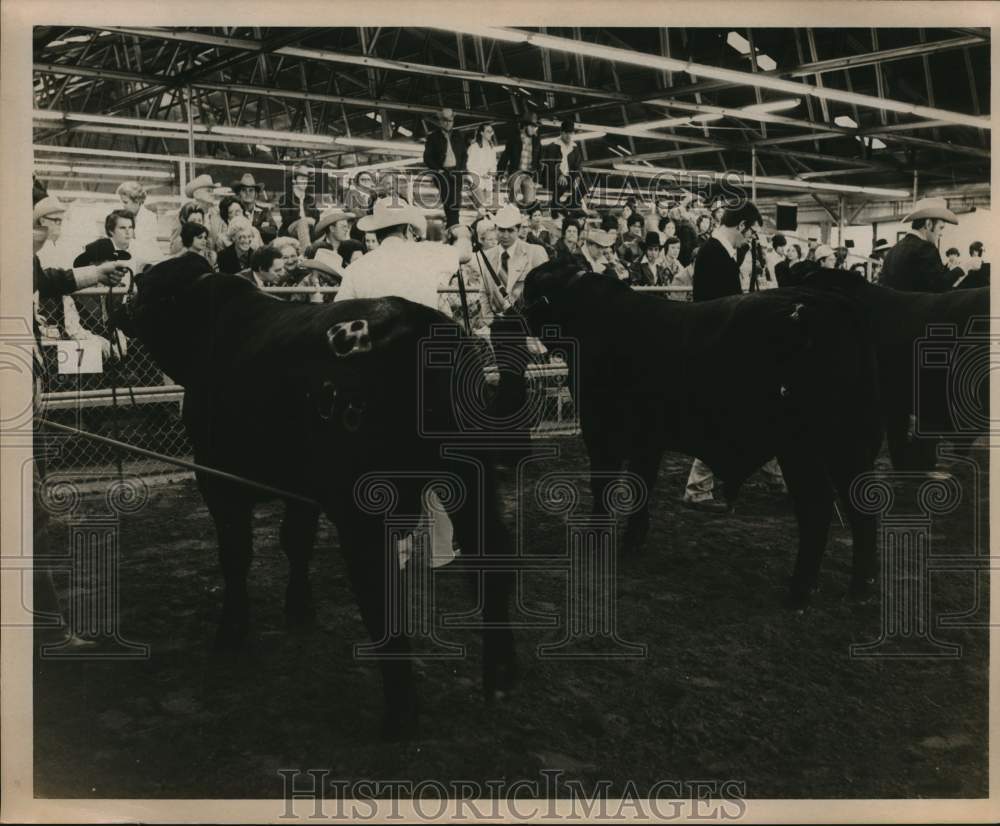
(371, 241)
(236, 257)
(568, 247)
(630, 249)
(230, 208)
(482, 167)
(191, 212)
(351, 251)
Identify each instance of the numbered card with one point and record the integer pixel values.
(78, 357)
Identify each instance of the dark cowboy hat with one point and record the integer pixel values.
(652, 240)
(246, 182)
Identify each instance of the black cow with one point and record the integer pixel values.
(933, 363)
(313, 399)
(735, 382)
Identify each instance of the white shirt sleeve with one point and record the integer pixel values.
(347, 289)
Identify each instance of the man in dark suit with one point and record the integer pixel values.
(521, 160)
(716, 271)
(915, 263)
(561, 162)
(445, 155)
(716, 275)
(977, 273)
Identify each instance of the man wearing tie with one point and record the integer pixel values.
(512, 259)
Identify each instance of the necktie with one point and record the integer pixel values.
(504, 261)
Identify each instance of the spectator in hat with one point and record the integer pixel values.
(482, 167)
(201, 189)
(298, 207)
(562, 162)
(915, 263)
(647, 270)
(248, 191)
(332, 229)
(512, 259)
(58, 316)
(597, 252)
(371, 241)
(445, 155)
(521, 160)
(631, 246)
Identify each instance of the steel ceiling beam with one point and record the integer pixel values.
(327, 56)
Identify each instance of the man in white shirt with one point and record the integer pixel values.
(400, 265)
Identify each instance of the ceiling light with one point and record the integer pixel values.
(744, 78)
(846, 121)
(738, 42)
(773, 105)
(493, 32)
(762, 181)
(766, 63)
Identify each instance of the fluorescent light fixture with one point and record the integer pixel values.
(875, 143)
(269, 134)
(123, 172)
(493, 32)
(846, 121)
(263, 147)
(46, 114)
(399, 147)
(52, 168)
(738, 42)
(525, 91)
(80, 38)
(773, 106)
(744, 78)
(762, 181)
(622, 149)
(406, 133)
(766, 62)
(707, 117)
(615, 149)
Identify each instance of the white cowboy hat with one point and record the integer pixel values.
(390, 212)
(509, 216)
(49, 205)
(881, 245)
(200, 182)
(331, 216)
(246, 182)
(325, 261)
(933, 208)
(822, 251)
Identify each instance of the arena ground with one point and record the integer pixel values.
(732, 687)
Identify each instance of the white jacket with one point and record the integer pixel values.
(482, 160)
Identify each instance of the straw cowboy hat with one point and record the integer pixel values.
(246, 182)
(47, 207)
(201, 182)
(391, 213)
(932, 208)
(331, 216)
(326, 261)
(509, 216)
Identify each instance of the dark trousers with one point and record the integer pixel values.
(510, 405)
(450, 183)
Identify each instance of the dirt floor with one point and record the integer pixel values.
(732, 686)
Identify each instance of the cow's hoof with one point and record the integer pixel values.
(862, 590)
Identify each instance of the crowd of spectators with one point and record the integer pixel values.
(297, 242)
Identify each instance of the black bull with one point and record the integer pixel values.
(933, 354)
(314, 400)
(734, 382)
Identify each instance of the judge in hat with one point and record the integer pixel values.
(201, 189)
(915, 262)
